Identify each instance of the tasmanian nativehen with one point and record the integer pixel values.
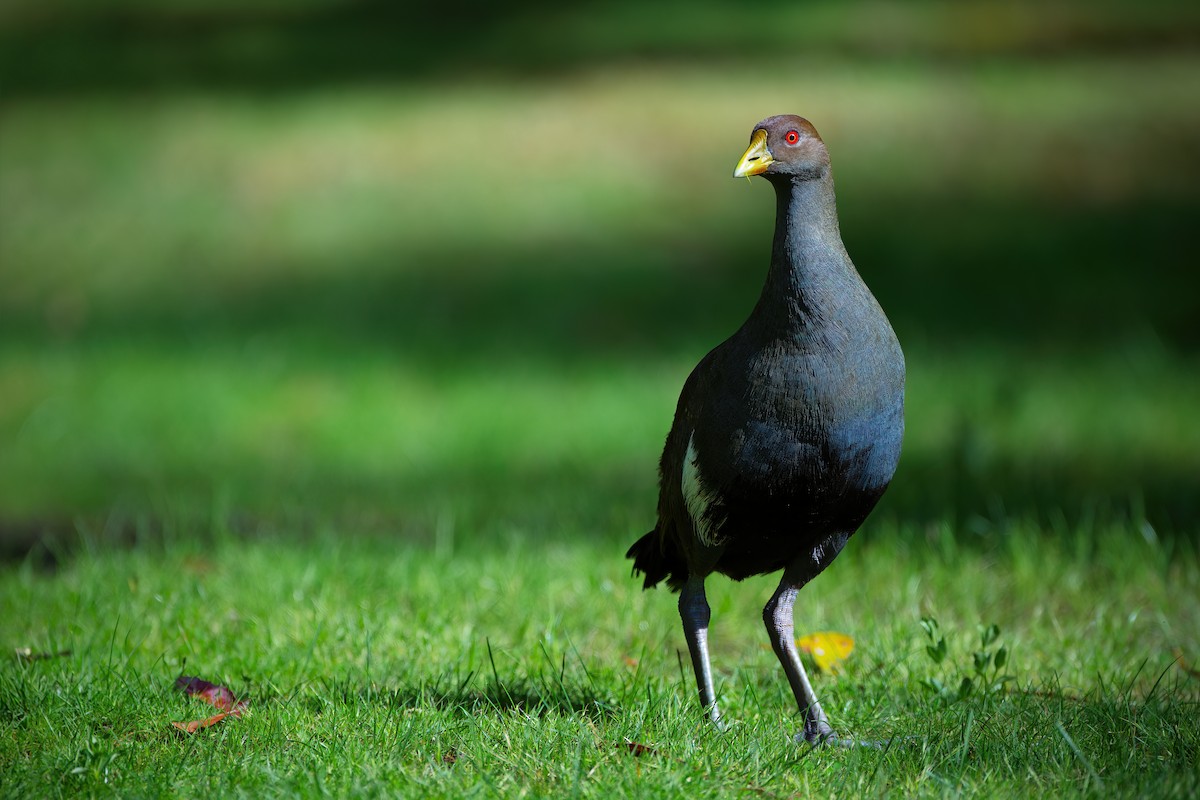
(786, 434)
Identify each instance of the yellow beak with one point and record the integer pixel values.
(757, 157)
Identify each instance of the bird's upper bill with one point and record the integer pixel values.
(757, 157)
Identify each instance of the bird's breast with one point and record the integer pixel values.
(805, 423)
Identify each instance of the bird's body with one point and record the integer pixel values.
(787, 434)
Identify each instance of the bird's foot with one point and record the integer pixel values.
(825, 736)
(818, 733)
(833, 740)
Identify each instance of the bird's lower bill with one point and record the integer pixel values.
(757, 157)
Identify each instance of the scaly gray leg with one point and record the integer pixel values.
(780, 627)
(693, 609)
(777, 615)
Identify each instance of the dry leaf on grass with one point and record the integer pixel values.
(198, 724)
(639, 749)
(219, 697)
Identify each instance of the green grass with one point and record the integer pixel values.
(348, 394)
(530, 660)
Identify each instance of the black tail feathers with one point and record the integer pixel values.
(657, 557)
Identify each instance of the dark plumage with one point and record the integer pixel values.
(786, 434)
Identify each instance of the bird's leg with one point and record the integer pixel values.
(693, 609)
(777, 615)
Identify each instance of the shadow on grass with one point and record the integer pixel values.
(517, 696)
(541, 695)
(1072, 500)
(1004, 273)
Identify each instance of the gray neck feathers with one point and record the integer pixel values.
(809, 264)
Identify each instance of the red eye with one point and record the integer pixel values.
(791, 137)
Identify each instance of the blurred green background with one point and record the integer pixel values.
(414, 269)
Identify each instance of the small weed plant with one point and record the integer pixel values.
(983, 674)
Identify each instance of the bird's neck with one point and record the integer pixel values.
(808, 260)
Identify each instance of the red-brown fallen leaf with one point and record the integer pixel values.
(639, 749)
(198, 724)
(218, 697)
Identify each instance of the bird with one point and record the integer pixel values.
(785, 435)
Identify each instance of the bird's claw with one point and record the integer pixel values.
(818, 733)
(824, 736)
(830, 739)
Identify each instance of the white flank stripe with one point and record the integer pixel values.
(696, 497)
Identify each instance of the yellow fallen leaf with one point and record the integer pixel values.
(827, 648)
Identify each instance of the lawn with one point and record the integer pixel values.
(347, 394)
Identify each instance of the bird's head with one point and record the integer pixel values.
(784, 146)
